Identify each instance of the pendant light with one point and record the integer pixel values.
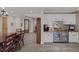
(3, 12)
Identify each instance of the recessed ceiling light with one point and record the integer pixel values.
(31, 11)
(14, 15)
(11, 11)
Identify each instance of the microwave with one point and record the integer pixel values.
(71, 27)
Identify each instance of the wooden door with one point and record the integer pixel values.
(38, 30)
(4, 25)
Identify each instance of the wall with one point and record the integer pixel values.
(42, 22)
(22, 23)
(18, 23)
(77, 21)
(32, 21)
(32, 24)
(13, 24)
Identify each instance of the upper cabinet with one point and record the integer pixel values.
(69, 19)
(66, 18)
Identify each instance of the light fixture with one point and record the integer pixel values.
(3, 12)
(3, 8)
(31, 11)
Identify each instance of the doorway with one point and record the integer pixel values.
(33, 36)
(29, 28)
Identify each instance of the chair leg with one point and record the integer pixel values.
(22, 42)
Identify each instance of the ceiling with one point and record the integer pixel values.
(22, 11)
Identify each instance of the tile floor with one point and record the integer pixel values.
(30, 46)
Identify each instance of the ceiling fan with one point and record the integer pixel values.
(3, 12)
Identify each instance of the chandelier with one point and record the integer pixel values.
(3, 12)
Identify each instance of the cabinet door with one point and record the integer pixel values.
(50, 37)
(73, 36)
(69, 18)
(78, 38)
(46, 36)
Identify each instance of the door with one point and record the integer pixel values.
(26, 25)
(38, 30)
(73, 36)
(48, 36)
(64, 37)
(4, 26)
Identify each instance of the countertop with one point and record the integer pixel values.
(61, 31)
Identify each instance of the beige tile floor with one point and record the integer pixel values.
(30, 46)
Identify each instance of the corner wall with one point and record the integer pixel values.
(77, 20)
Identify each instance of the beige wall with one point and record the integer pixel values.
(11, 28)
(16, 24)
(77, 20)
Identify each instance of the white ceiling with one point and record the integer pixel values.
(21, 11)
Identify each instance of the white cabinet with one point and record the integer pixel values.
(54, 17)
(73, 37)
(66, 18)
(48, 36)
(69, 19)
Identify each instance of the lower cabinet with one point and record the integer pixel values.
(48, 36)
(73, 37)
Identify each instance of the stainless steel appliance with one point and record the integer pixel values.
(56, 36)
(61, 37)
(71, 27)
